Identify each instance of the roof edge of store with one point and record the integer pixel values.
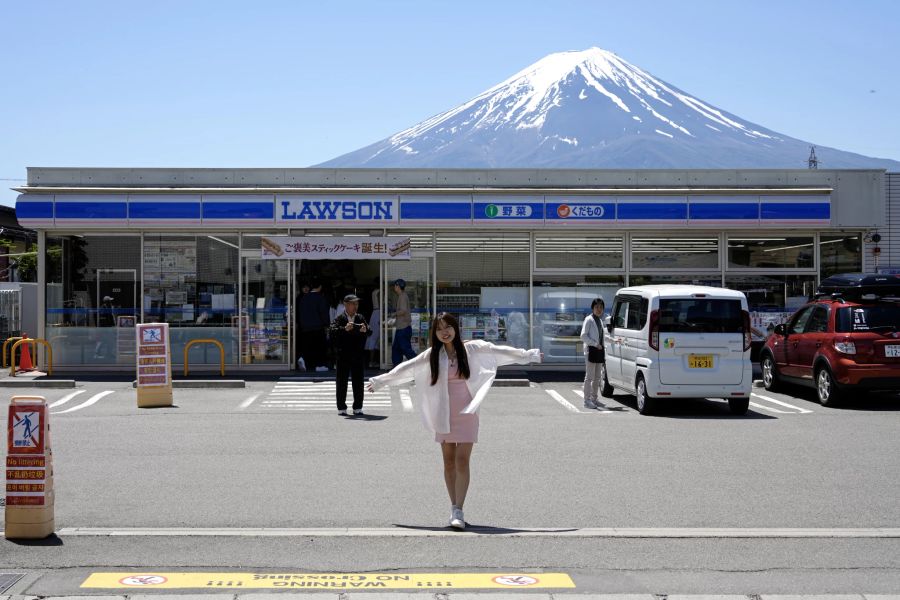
(259, 179)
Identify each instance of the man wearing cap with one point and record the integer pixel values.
(402, 347)
(349, 331)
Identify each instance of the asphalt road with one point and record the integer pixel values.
(276, 455)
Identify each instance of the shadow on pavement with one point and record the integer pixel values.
(694, 408)
(51, 540)
(365, 417)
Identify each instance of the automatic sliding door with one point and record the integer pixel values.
(266, 300)
(418, 274)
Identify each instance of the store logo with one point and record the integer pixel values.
(493, 211)
(341, 210)
(563, 210)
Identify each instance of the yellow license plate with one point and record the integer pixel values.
(700, 361)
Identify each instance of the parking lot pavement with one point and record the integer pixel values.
(290, 395)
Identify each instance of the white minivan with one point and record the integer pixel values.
(679, 341)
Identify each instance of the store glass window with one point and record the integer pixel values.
(711, 279)
(484, 280)
(771, 252)
(772, 298)
(92, 298)
(674, 252)
(191, 283)
(840, 254)
(578, 252)
(560, 305)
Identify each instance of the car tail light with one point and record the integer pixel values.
(748, 333)
(654, 330)
(845, 346)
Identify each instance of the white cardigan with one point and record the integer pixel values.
(590, 335)
(484, 358)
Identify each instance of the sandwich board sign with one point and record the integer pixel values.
(154, 365)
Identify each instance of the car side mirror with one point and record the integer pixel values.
(780, 329)
(610, 327)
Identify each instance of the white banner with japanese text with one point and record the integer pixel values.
(352, 248)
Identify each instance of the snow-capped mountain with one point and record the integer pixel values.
(592, 109)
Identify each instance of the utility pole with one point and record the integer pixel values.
(813, 162)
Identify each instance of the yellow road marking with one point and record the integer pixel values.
(335, 581)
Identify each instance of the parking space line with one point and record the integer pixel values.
(785, 404)
(65, 399)
(92, 400)
(769, 408)
(565, 403)
(580, 393)
(248, 401)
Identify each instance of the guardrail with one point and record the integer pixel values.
(216, 343)
(35, 342)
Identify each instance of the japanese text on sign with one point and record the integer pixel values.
(385, 248)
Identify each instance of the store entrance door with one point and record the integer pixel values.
(272, 290)
(418, 274)
(338, 278)
(266, 335)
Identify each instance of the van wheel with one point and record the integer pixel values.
(770, 373)
(644, 403)
(738, 406)
(826, 388)
(606, 390)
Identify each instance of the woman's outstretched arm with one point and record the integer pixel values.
(402, 373)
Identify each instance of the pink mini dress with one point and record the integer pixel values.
(463, 428)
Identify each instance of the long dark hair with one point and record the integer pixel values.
(462, 360)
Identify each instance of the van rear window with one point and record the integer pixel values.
(697, 315)
(878, 317)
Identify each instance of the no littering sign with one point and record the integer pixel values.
(332, 581)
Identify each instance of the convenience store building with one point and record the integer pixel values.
(517, 254)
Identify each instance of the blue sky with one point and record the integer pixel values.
(292, 84)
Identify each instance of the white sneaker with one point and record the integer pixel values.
(457, 521)
(301, 364)
(590, 404)
(321, 369)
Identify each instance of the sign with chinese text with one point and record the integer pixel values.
(154, 365)
(352, 248)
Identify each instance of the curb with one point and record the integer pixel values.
(205, 383)
(40, 383)
(511, 383)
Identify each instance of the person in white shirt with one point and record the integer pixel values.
(452, 380)
(594, 355)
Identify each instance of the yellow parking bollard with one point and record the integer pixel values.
(35, 342)
(5, 346)
(217, 343)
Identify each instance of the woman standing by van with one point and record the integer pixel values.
(594, 356)
(452, 379)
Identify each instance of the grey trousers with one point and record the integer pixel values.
(591, 380)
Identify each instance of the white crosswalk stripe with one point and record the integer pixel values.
(318, 396)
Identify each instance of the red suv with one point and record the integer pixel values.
(846, 339)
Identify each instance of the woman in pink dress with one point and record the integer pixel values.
(452, 379)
